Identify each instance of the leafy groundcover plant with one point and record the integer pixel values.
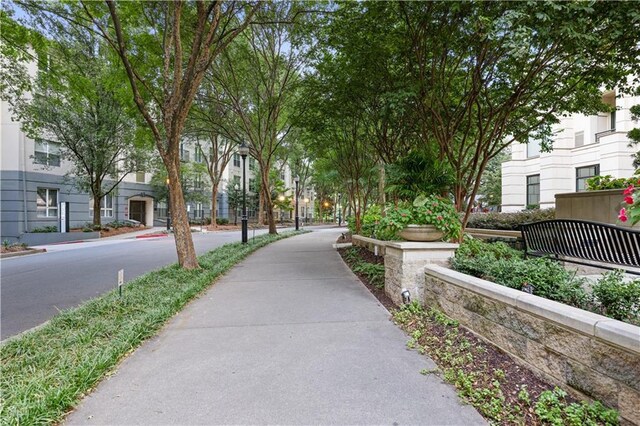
(612, 295)
(45, 372)
(424, 210)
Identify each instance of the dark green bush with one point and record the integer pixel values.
(618, 299)
(598, 183)
(497, 262)
(508, 221)
(222, 221)
(370, 219)
(50, 228)
(116, 224)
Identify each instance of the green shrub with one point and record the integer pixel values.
(618, 299)
(43, 229)
(497, 262)
(552, 409)
(373, 271)
(370, 220)
(503, 265)
(351, 223)
(598, 183)
(424, 210)
(508, 221)
(222, 221)
(116, 224)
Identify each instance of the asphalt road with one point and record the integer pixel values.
(34, 288)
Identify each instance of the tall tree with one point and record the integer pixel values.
(489, 74)
(261, 77)
(214, 128)
(166, 49)
(74, 103)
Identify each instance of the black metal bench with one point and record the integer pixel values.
(581, 241)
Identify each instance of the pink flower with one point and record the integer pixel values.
(623, 215)
(628, 199)
(628, 191)
(403, 215)
(429, 212)
(439, 217)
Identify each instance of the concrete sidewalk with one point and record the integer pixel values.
(289, 336)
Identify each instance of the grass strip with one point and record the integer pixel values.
(44, 373)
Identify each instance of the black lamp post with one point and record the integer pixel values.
(243, 150)
(297, 180)
(339, 209)
(168, 206)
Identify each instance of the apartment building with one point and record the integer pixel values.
(34, 181)
(583, 146)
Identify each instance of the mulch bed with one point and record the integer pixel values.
(110, 232)
(13, 249)
(486, 357)
(367, 256)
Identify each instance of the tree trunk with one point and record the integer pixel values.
(96, 210)
(267, 202)
(261, 206)
(181, 229)
(382, 198)
(214, 202)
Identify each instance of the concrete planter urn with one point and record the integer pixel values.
(424, 233)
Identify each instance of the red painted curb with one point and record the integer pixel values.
(152, 235)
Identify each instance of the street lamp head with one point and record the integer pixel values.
(243, 149)
(296, 179)
(306, 200)
(326, 204)
(281, 198)
(236, 186)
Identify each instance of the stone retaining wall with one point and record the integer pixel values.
(376, 247)
(584, 353)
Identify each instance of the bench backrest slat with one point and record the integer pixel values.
(585, 240)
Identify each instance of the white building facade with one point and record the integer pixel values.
(583, 146)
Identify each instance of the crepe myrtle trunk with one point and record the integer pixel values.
(214, 202)
(181, 229)
(96, 210)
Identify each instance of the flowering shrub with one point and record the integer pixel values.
(425, 210)
(632, 204)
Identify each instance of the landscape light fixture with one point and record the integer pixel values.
(406, 296)
(243, 150)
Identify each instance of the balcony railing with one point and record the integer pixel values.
(605, 133)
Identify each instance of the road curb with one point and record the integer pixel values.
(22, 253)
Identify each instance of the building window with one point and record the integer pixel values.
(197, 182)
(199, 155)
(282, 176)
(584, 173)
(236, 160)
(252, 185)
(47, 153)
(47, 202)
(533, 191)
(613, 120)
(252, 164)
(533, 148)
(184, 154)
(579, 139)
(140, 177)
(236, 182)
(106, 206)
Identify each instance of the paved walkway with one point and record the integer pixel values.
(289, 336)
